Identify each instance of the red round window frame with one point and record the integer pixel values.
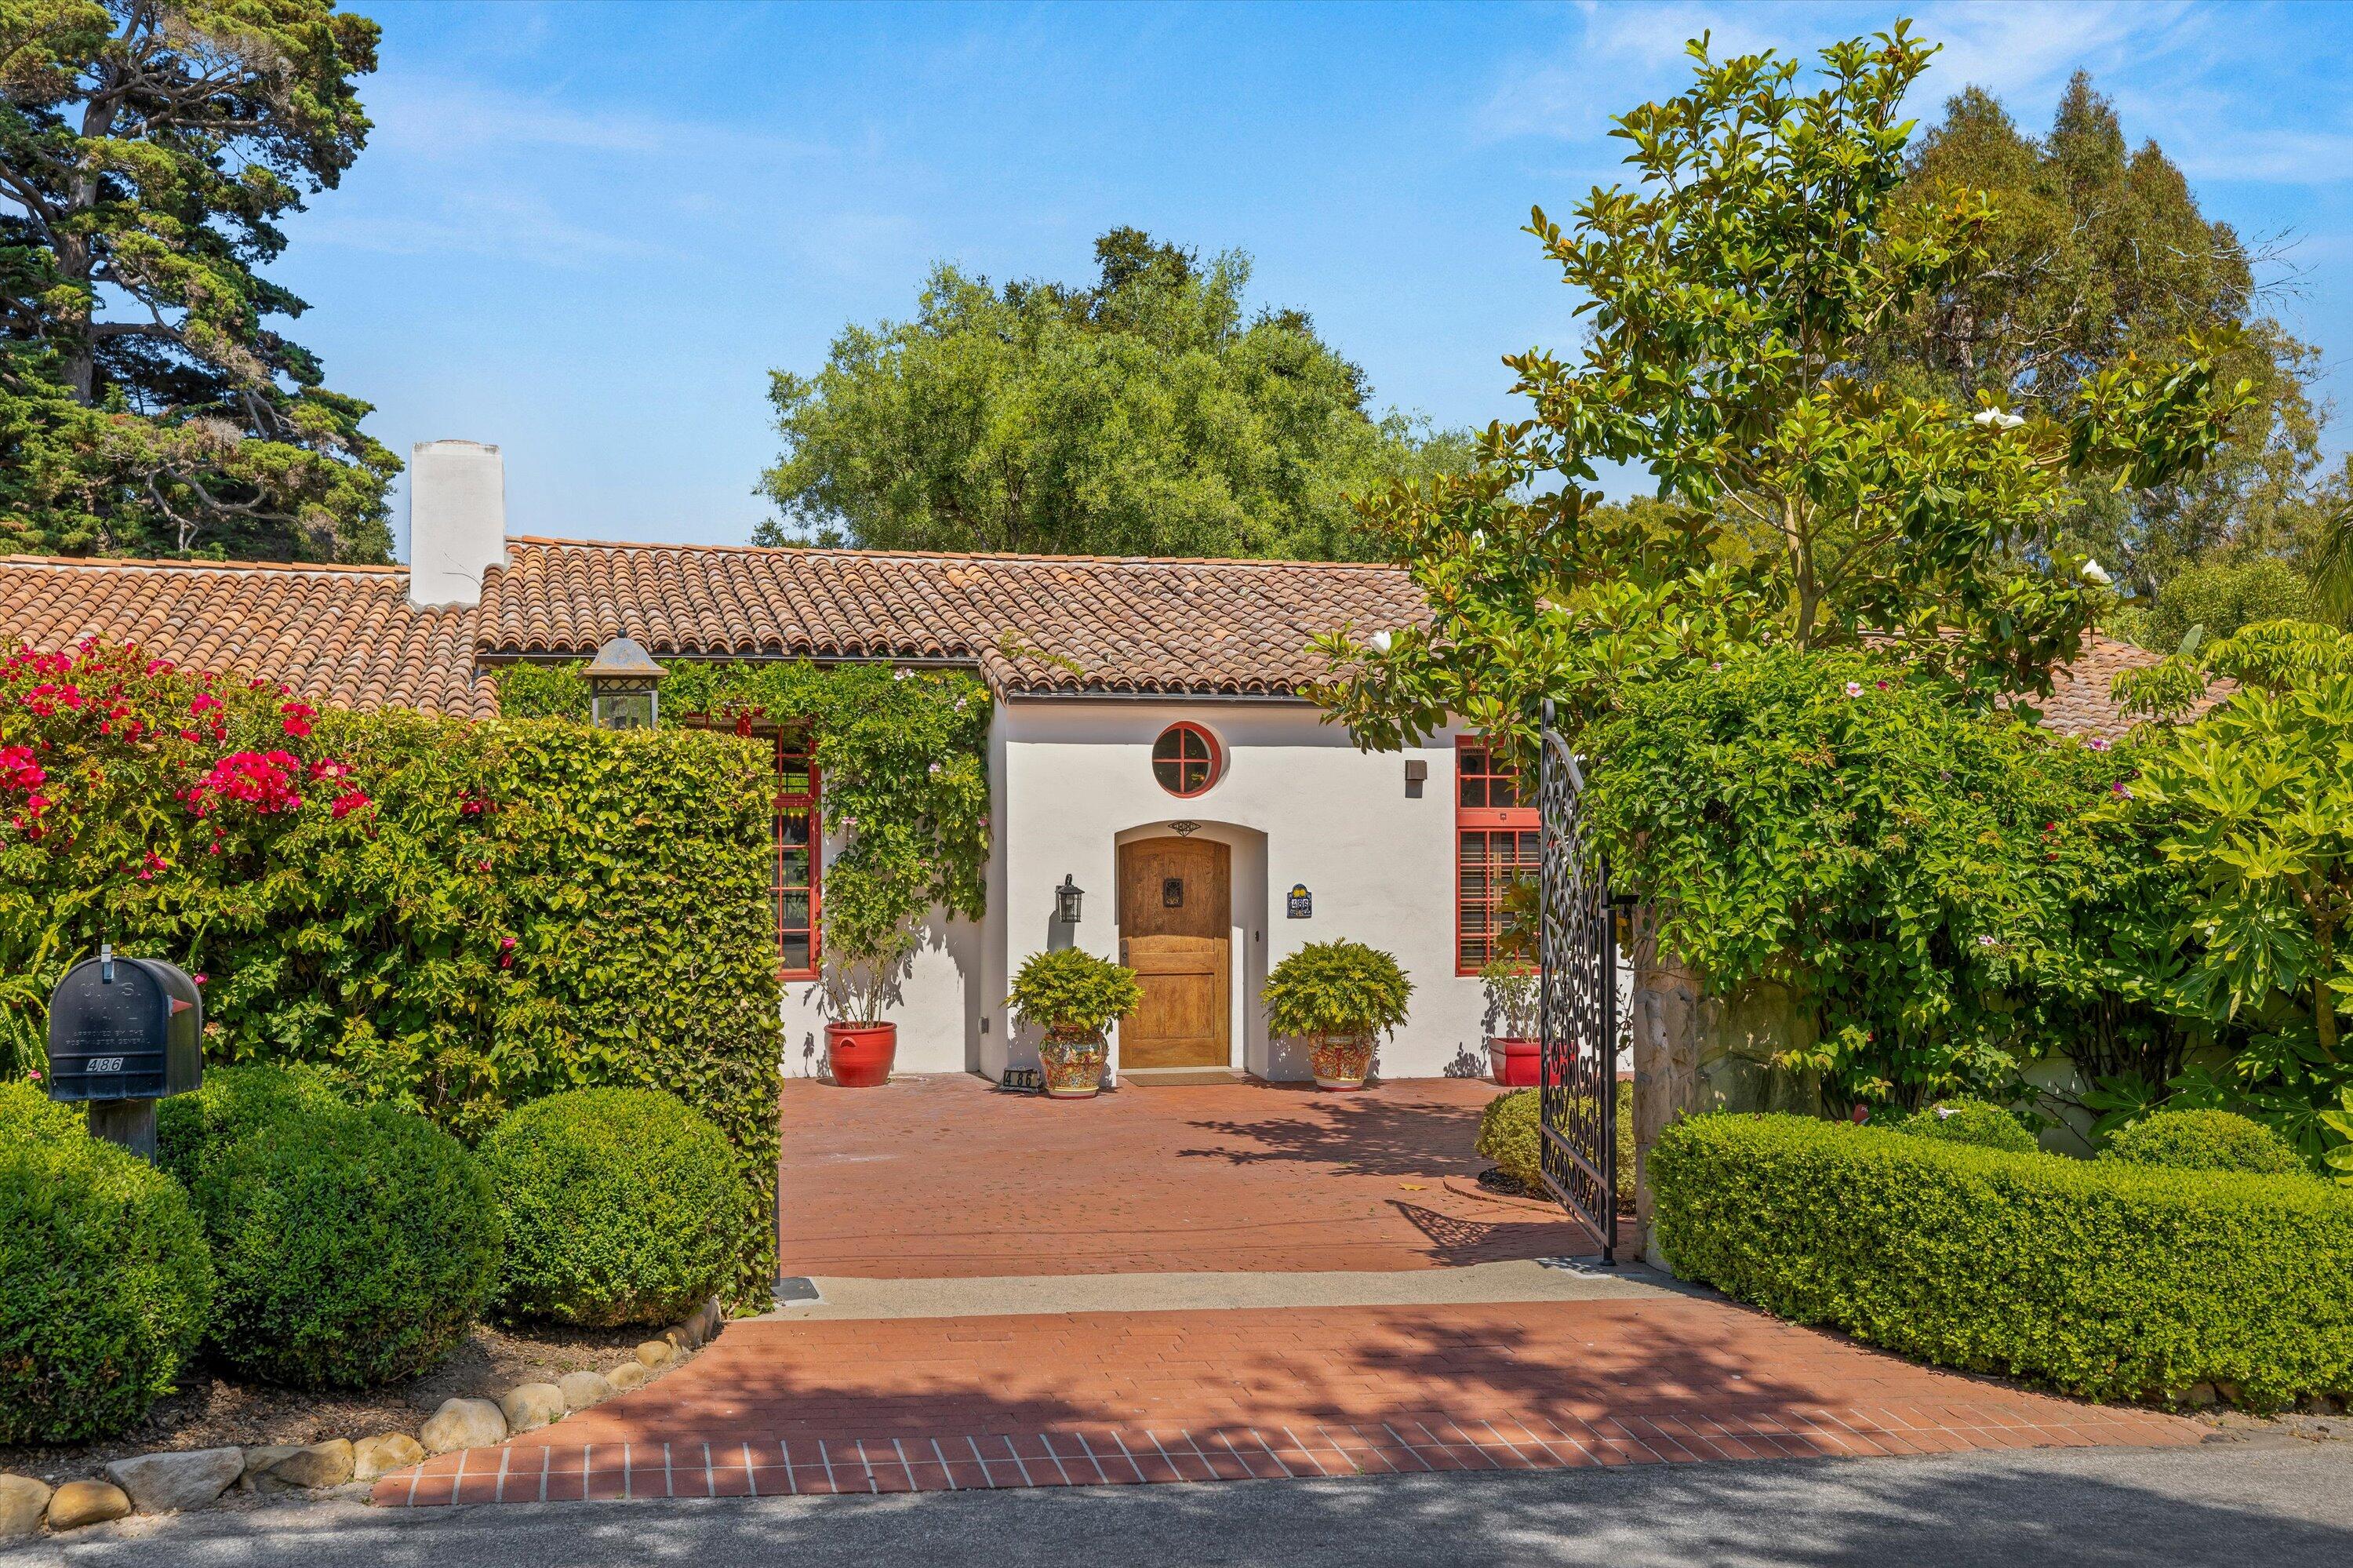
(1216, 760)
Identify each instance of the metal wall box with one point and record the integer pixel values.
(125, 1029)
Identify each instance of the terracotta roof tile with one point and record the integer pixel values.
(1033, 624)
(339, 636)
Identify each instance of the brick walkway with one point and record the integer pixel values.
(1106, 1398)
(945, 1178)
(929, 1182)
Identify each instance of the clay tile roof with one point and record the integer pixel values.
(339, 636)
(2079, 703)
(1034, 624)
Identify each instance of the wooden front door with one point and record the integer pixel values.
(1176, 932)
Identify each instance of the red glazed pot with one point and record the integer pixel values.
(1517, 1063)
(860, 1054)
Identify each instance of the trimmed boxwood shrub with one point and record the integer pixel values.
(190, 1129)
(105, 1282)
(1980, 1122)
(2205, 1141)
(2097, 1277)
(621, 1206)
(1509, 1135)
(354, 1243)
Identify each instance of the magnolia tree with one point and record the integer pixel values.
(1734, 295)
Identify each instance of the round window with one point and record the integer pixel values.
(1186, 759)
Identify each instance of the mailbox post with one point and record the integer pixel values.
(123, 1034)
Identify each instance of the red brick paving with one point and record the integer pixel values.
(944, 1177)
(1106, 1398)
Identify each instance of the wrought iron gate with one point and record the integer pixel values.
(1578, 1096)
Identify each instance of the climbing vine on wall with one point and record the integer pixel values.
(903, 755)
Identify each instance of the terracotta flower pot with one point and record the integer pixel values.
(1073, 1069)
(1340, 1061)
(1517, 1063)
(860, 1055)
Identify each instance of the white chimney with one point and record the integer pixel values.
(457, 521)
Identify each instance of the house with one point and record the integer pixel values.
(1149, 746)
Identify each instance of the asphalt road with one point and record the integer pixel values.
(2277, 1502)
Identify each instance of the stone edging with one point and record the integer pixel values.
(181, 1480)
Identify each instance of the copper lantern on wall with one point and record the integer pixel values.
(624, 686)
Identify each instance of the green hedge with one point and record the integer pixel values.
(105, 1282)
(2097, 1277)
(621, 1206)
(455, 917)
(355, 1244)
(1508, 1134)
(2205, 1141)
(1980, 1122)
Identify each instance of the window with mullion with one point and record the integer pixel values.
(1495, 847)
(799, 857)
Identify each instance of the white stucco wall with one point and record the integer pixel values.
(1070, 780)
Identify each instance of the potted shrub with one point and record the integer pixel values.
(1513, 1046)
(1073, 996)
(868, 941)
(1337, 996)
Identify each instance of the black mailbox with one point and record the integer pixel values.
(125, 1029)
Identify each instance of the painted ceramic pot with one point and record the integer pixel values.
(860, 1055)
(1516, 1063)
(1340, 1061)
(1073, 1069)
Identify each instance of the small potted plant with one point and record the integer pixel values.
(1337, 996)
(1513, 1047)
(1073, 996)
(868, 947)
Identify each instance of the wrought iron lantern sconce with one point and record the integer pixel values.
(1066, 900)
(624, 686)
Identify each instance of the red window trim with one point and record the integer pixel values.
(1479, 819)
(1217, 758)
(798, 748)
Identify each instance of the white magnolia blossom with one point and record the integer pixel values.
(2096, 573)
(1381, 641)
(1996, 419)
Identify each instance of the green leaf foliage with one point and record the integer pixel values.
(1071, 994)
(621, 1206)
(1150, 413)
(1336, 988)
(1510, 1134)
(2205, 1141)
(2096, 251)
(1941, 888)
(1980, 1122)
(149, 406)
(1735, 294)
(451, 918)
(2223, 598)
(105, 1285)
(355, 1244)
(2097, 1277)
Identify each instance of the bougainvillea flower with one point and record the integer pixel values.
(296, 718)
(263, 781)
(345, 804)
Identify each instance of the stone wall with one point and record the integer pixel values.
(1695, 1051)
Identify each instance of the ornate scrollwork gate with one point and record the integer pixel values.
(1578, 1096)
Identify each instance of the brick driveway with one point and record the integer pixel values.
(929, 1182)
(943, 1177)
(1107, 1398)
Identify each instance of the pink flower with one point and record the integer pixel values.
(205, 703)
(200, 977)
(18, 770)
(2096, 744)
(353, 800)
(1854, 688)
(263, 781)
(296, 718)
(2121, 791)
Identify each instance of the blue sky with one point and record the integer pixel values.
(588, 232)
